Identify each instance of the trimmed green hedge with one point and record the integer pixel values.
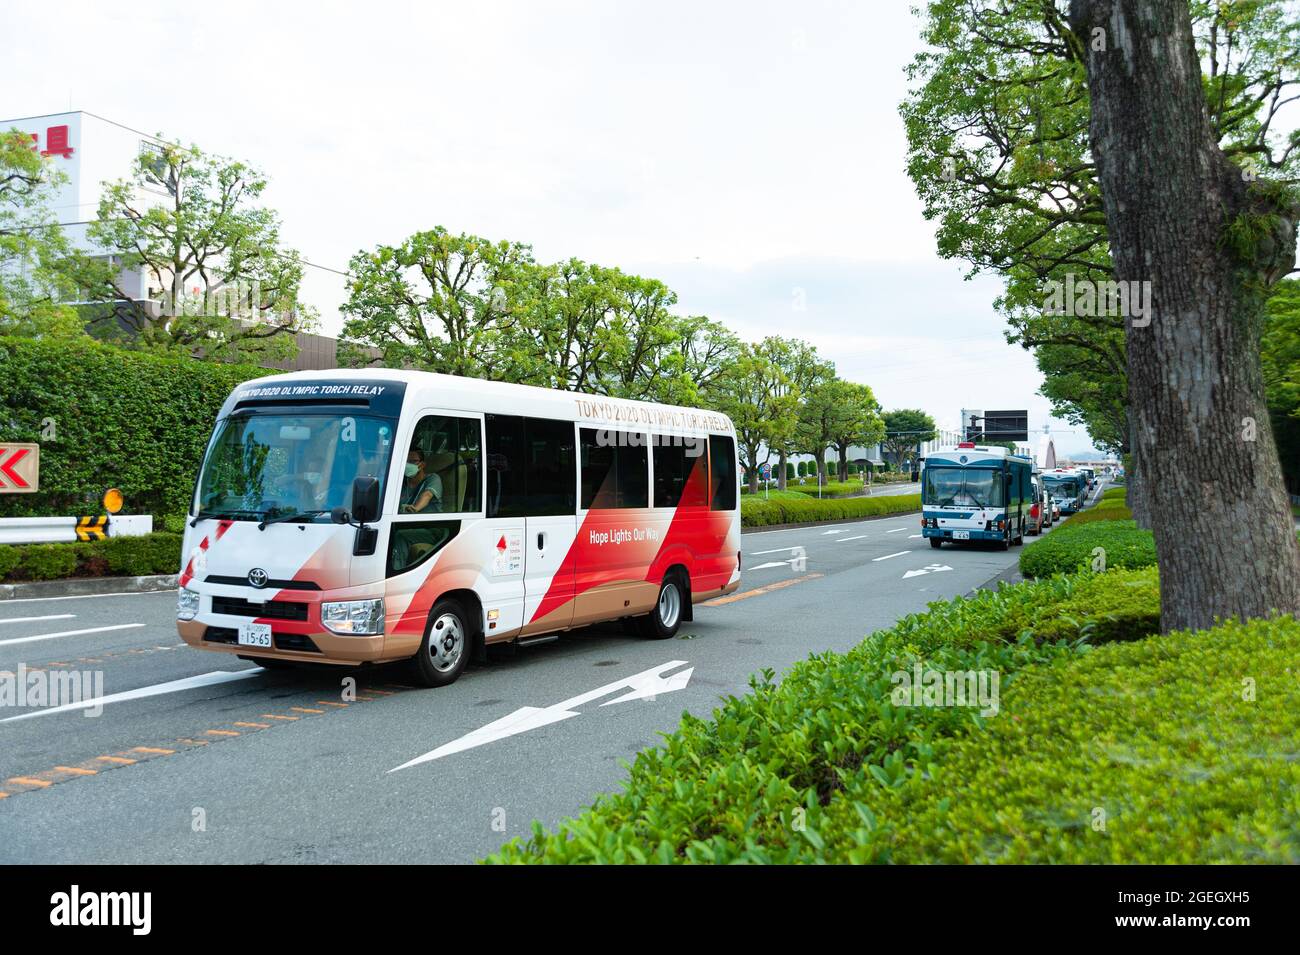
(157, 553)
(756, 512)
(1153, 752)
(1070, 547)
(137, 421)
(798, 771)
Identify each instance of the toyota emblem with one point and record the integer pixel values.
(257, 577)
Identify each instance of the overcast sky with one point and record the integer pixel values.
(750, 155)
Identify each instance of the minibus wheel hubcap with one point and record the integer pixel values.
(670, 603)
(446, 642)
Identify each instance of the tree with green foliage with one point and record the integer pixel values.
(440, 302)
(32, 245)
(997, 126)
(858, 422)
(219, 283)
(751, 393)
(1280, 358)
(1139, 152)
(802, 370)
(905, 430)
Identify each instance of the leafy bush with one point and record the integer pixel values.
(133, 420)
(1162, 736)
(1070, 547)
(778, 775)
(157, 553)
(1115, 493)
(1111, 510)
(794, 509)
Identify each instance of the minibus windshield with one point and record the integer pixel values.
(962, 487)
(263, 466)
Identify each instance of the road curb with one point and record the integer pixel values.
(838, 520)
(87, 587)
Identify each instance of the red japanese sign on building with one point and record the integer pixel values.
(56, 142)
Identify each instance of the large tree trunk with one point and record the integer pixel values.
(844, 462)
(1202, 444)
(783, 458)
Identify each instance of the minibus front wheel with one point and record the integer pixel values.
(446, 646)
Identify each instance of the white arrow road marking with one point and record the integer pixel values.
(214, 678)
(53, 616)
(928, 569)
(858, 537)
(640, 686)
(888, 556)
(834, 530)
(69, 633)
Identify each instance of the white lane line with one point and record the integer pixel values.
(836, 530)
(841, 540)
(69, 633)
(896, 530)
(215, 678)
(888, 556)
(913, 537)
(773, 563)
(52, 616)
(776, 550)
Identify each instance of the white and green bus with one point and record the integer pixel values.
(976, 493)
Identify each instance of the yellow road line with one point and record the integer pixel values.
(118, 760)
(329, 703)
(29, 781)
(77, 772)
(273, 716)
(305, 709)
(151, 749)
(757, 591)
(221, 732)
(260, 726)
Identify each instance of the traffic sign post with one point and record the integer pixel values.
(20, 468)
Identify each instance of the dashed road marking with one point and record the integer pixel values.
(901, 553)
(69, 633)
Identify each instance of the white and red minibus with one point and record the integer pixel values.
(367, 516)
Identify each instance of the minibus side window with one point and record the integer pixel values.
(446, 454)
(530, 466)
(681, 472)
(722, 461)
(615, 469)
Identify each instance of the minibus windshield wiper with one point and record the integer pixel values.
(290, 516)
(225, 514)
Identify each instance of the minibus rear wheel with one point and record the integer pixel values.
(446, 646)
(663, 621)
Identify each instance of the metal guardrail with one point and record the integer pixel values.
(54, 530)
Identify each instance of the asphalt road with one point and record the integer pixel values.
(260, 766)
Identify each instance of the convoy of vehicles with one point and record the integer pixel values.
(1040, 512)
(368, 516)
(1068, 487)
(975, 493)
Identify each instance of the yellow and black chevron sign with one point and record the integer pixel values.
(92, 528)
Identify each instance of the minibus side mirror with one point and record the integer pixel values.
(365, 499)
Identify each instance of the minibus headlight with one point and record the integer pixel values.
(354, 617)
(187, 604)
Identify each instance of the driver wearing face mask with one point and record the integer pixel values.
(420, 491)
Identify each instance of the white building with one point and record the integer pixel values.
(89, 151)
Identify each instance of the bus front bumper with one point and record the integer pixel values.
(951, 534)
(301, 647)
